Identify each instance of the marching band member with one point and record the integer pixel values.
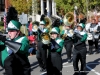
(15, 63)
(80, 49)
(67, 35)
(93, 36)
(54, 65)
(14, 59)
(42, 45)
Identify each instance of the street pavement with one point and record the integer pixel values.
(92, 65)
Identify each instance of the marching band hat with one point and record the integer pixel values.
(81, 25)
(55, 30)
(45, 31)
(42, 23)
(14, 25)
(42, 19)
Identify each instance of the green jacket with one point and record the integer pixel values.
(79, 39)
(60, 42)
(23, 49)
(84, 36)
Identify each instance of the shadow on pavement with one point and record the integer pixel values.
(34, 65)
(93, 64)
(1, 69)
(63, 54)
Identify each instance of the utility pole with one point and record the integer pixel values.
(87, 8)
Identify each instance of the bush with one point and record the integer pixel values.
(1, 23)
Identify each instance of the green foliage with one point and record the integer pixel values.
(22, 5)
(1, 23)
(64, 6)
(35, 5)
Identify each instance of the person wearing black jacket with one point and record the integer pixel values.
(15, 62)
(80, 50)
(67, 35)
(54, 60)
(42, 45)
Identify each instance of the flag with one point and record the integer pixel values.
(75, 16)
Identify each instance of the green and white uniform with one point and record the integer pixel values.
(15, 63)
(80, 50)
(41, 53)
(68, 43)
(23, 50)
(54, 58)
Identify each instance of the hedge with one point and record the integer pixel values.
(1, 23)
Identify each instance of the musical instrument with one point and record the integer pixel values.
(45, 38)
(35, 28)
(14, 46)
(48, 22)
(67, 33)
(68, 19)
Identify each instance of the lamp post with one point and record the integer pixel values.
(75, 9)
(87, 8)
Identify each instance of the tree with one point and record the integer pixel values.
(68, 5)
(22, 5)
(35, 6)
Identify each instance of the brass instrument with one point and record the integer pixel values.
(48, 22)
(45, 38)
(64, 36)
(35, 28)
(68, 19)
(71, 32)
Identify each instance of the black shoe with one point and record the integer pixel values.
(69, 61)
(82, 73)
(97, 52)
(90, 53)
(43, 70)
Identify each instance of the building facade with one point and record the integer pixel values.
(47, 7)
(2, 8)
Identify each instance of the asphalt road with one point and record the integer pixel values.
(92, 65)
